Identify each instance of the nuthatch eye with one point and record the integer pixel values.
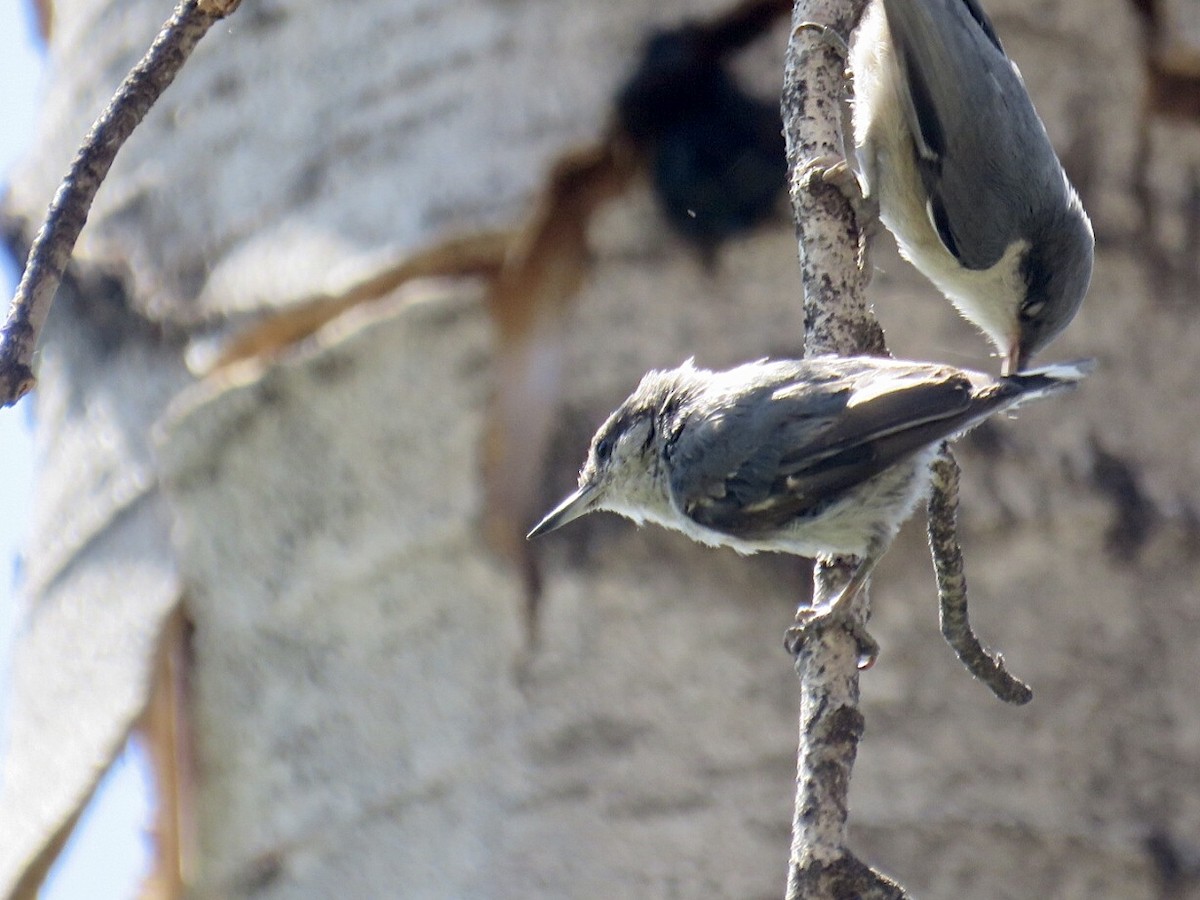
(951, 148)
(819, 457)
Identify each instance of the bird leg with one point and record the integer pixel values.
(840, 174)
(837, 612)
(829, 37)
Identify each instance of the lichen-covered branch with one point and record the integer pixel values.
(952, 586)
(68, 212)
(838, 320)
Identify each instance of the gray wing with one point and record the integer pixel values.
(789, 448)
(982, 150)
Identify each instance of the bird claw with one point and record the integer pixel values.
(828, 36)
(830, 170)
(838, 173)
(813, 622)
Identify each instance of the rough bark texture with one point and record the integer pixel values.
(360, 723)
(946, 550)
(838, 321)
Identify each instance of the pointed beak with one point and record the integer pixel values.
(576, 505)
(1015, 361)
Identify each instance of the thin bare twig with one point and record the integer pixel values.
(952, 586)
(68, 212)
(837, 320)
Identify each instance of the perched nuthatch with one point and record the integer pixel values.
(819, 457)
(951, 148)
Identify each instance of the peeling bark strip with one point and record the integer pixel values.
(68, 212)
(837, 320)
(952, 587)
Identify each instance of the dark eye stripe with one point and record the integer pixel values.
(649, 435)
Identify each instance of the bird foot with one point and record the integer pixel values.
(841, 175)
(829, 37)
(813, 622)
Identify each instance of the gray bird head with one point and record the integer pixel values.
(1032, 292)
(1055, 272)
(623, 470)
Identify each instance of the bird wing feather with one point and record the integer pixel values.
(974, 136)
(789, 447)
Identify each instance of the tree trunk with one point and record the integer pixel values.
(366, 720)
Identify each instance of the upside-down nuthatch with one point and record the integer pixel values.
(951, 148)
(825, 456)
